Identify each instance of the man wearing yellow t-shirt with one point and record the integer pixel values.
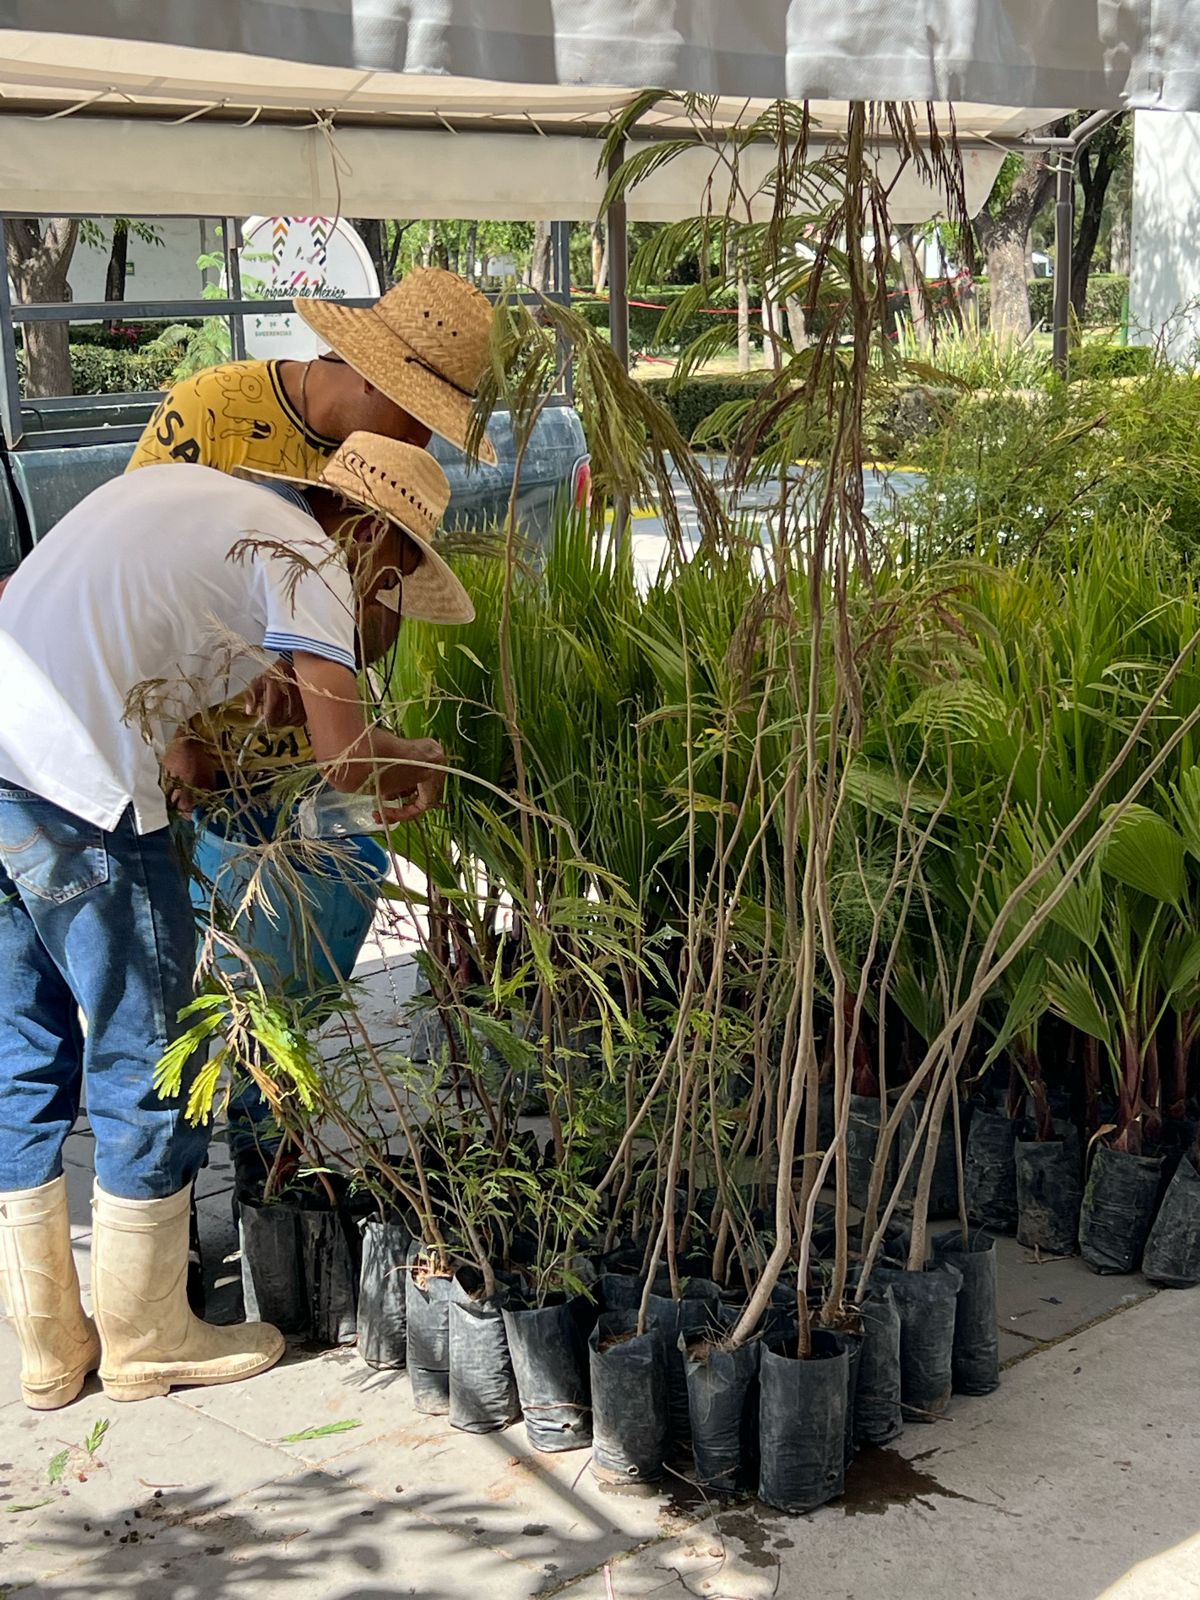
(406, 367)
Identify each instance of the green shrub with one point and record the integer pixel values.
(697, 399)
(644, 319)
(97, 370)
(1111, 361)
(125, 336)
(1103, 306)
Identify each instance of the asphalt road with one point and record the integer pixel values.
(752, 505)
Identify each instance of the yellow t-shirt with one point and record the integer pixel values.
(232, 416)
(228, 417)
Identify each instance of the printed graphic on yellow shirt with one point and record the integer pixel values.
(228, 417)
(233, 416)
(243, 746)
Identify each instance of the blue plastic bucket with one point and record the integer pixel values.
(277, 935)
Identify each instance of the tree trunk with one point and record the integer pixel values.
(599, 257)
(1096, 165)
(796, 323)
(371, 231)
(37, 264)
(118, 265)
(470, 252)
(539, 265)
(743, 318)
(914, 287)
(1009, 317)
(1119, 241)
(1004, 234)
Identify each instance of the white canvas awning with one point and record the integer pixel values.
(1094, 53)
(101, 124)
(115, 166)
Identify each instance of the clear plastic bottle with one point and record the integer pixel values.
(326, 814)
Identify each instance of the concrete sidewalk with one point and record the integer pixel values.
(1085, 1463)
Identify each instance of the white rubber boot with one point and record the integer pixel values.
(151, 1341)
(40, 1287)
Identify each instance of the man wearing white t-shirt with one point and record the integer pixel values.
(161, 594)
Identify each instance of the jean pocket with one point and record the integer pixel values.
(49, 853)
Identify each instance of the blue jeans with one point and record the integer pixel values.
(98, 922)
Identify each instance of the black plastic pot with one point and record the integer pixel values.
(852, 1344)
(1172, 1255)
(722, 1391)
(991, 1171)
(877, 1415)
(550, 1367)
(976, 1363)
(331, 1245)
(689, 1318)
(926, 1303)
(273, 1283)
(802, 1427)
(825, 1116)
(383, 1293)
(427, 1308)
(483, 1389)
(629, 1401)
(622, 1291)
(862, 1136)
(1118, 1209)
(943, 1190)
(1049, 1194)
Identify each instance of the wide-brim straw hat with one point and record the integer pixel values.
(406, 485)
(424, 344)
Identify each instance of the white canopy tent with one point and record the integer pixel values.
(1095, 53)
(493, 108)
(87, 123)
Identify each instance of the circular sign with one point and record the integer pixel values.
(287, 257)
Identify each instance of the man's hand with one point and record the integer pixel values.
(410, 770)
(407, 776)
(188, 768)
(274, 699)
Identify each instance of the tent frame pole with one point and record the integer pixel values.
(618, 266)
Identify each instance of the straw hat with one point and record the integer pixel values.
(424, 344)
(406, 485)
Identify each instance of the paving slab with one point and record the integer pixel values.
(546, 1509)
(303, 1536)
(305, 1391)
(1081, 1466)
(153, 1455)
(1049, 1299)
(1014, 1348)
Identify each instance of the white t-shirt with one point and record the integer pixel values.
(140, 588)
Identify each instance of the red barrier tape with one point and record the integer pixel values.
(755, 310)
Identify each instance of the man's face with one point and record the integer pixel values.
(375, 413)
(398, 557)
(363, 408)
(385, 555)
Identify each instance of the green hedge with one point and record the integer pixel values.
(908, 414)
(99, 370)
(1103, 306)
(696, 400)
(644, 321)
(126, 335)
(1111, 361)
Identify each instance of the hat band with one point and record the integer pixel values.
(467, 394)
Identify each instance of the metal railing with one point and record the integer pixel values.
(233, 309)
